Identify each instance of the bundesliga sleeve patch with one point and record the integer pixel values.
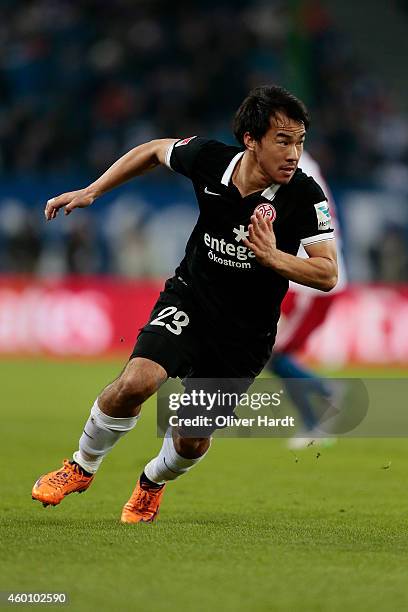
(185, 141)
(323, 215)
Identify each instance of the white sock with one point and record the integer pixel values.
(169, 465)
(101, 432)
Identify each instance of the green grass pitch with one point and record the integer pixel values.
(249, 528)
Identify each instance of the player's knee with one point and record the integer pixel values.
(139, 381)
(134, 389)
(191, 448)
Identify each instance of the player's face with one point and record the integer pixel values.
(279, 151)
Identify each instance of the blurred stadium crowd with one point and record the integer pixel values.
(82, 82)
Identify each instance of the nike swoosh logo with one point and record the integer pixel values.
(206, 190)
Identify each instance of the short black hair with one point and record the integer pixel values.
(263, 103)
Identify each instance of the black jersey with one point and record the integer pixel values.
(234, 292)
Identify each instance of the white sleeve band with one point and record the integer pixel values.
(168, 155)
(317, 238)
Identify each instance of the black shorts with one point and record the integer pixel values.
(180, 339)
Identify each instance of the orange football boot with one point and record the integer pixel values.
(51, 488)
(143, 506)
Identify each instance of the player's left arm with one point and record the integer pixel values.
(318, 271)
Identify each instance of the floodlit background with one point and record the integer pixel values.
(83, 82)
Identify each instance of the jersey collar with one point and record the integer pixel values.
(269, 193)
(226, 177)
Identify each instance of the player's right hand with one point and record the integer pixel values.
(68, 201)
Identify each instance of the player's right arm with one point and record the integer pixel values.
(137, 161)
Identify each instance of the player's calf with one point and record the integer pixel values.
(170, 463)
(139, 380)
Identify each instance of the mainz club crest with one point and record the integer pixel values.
(266, 210)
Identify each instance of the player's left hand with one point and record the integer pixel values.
(261, 240)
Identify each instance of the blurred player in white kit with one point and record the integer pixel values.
(303, 310)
